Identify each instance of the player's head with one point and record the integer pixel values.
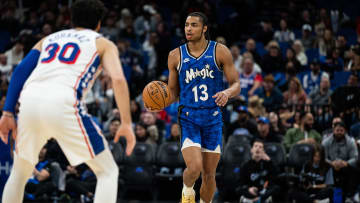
(196, 27)
(87, 14)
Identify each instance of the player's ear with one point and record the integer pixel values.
(205, 27)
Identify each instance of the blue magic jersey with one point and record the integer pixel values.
(199, 78)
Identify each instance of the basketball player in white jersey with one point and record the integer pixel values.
(53, 78)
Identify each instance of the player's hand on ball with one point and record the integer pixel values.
(126, 130)
(151, 110)
(221, 98)
(7, 123)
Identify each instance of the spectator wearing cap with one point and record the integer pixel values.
(307, 39)
(304, 134)
(284, 34)
(321, 95)
(341, 153)
(271, 94)
(244, 121)
(312, 79)
(265, 133)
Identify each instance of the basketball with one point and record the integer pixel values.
(156, 95)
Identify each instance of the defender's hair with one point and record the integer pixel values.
(87, 13)
(204, 21)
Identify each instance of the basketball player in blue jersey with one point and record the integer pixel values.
(196, 79)
(53, 80)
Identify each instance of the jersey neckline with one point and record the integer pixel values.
(187, 51)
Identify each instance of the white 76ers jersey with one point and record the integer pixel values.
(68, 64)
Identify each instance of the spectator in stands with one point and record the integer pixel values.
(80, 181)
(284, 34)
(291, 57)
(353, 80)
(5, 67)
(237, 58)
(255, 106)
(249, 79)
(257, 176)
(305, 18)
(307, 39)
(342, 46)
(342, 155)
(323, 22)
(276, 125)
(247, 54)
(295, 95)
(143, 135)
(221, 40)
(352, 59)
(144, 20)
(316, 180)
(46, 30)
(244, 121)
(155, 126)
(321, 95)
(300, 52)
(15, 54)
(114, 125)
(271, 94)
(174, 133)
(329, 132)
(135, 110)
(149, 46)
(273, 60)
(266, 33)
(265, 133)
(332, 62)
(250, 46)
(125, 19)
(40, 183)
(109, 29)
(304, 134)
(326, 43)
(311, 80)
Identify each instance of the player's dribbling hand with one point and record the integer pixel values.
(126, 131)
(7, 123)
(221, 98)
(151, 110)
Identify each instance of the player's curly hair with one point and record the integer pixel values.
(87, 13)
(204, 21)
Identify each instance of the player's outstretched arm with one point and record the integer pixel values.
(18, 79)
(110, 61)
(173, 82)
(225, 60)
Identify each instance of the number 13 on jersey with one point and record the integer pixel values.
(203, 93)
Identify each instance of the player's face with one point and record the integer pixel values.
(194, 28)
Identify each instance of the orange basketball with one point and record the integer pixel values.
(156, 95)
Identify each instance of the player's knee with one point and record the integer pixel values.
(195, 168)
(207, 177)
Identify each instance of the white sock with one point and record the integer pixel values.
(187, 191)
(15, 185)
(107, 172)
(202, 201)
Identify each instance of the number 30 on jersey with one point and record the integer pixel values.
(203, 93)
(52, 50)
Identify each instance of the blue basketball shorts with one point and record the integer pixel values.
(201, 128)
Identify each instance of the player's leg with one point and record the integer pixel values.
(193, 161)
(15, 185)
(211, 139)
(107, 172)
(191, 151)
(29, 141)
(208, 185)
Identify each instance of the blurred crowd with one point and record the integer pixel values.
(298, 64)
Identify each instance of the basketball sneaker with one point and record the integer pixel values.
(188, 199)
